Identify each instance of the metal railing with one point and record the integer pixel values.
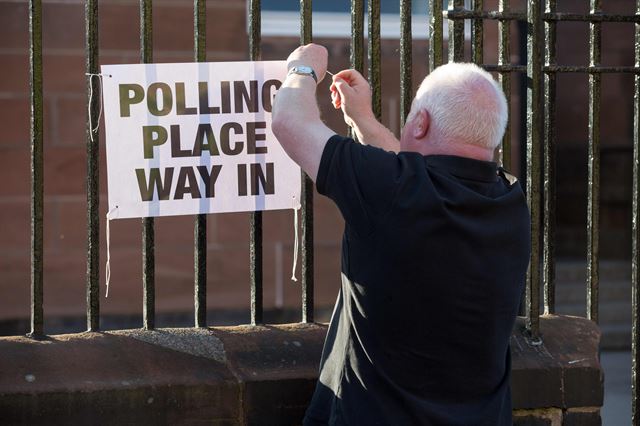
(541, 70)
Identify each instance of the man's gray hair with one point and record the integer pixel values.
(465, 104)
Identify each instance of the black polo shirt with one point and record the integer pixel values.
(434, 257)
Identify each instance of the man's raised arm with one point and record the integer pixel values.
(295, 115)
(350, 92)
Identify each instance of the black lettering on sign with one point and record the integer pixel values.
(253, 136)
(205, 132)
(152, 99)
(129, 94)
(225, 145)
(181, 108)
(209, 179)
(225, 96)
(267, 97)
(155, 183)
(152, 136)
(176, 150)
(203, 94)
(258, 179)
(182, 186)
(242, 97)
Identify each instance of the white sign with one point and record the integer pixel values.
(195, 138)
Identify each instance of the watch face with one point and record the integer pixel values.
(303, 70)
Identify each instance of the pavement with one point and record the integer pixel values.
(617, 388)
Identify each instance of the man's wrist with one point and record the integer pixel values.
(303, 70)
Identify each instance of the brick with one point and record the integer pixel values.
(71, 121)
(65, 171)
(16, 113)
(15, 73)
(582, 417)
(63, 73)
(16, 172)
(63, 26)
(15, 220)
(15, 284)
(14, 25)
(120, 27)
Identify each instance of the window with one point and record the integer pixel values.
(331, 18)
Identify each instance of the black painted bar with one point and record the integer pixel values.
(148, 228)
(549, 178)
(373, 52)
(307, 195)
(406, 66)
(504, 78)
(477, 31)
(435, 29)
(255, 219)
(200, 223)
(93, 173)
(635, 239)
(37, 183)
(593, 199)
(534, 128)
(456, 33)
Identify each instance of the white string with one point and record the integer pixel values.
(295, 245)
(108, 266)
(93, 129)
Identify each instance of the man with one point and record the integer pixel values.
(434, 254)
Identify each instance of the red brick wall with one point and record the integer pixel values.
(228, 252)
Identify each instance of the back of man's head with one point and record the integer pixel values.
(465, 105)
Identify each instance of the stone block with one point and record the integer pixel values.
(538, 417)
(584, 416)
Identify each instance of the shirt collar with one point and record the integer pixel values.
(463, 167)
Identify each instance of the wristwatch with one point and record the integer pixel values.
(303, 70)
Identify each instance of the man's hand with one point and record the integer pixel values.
(311, 55)
(351, 92)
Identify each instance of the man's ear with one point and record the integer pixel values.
(421, 124)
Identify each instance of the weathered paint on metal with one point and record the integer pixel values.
(148, 223)
(534, 137)
(93, 151)
(435, 32)
(37, 182)
(549, 177)
(635, 239)
(200, 224)
(307, 196)
(477, 32)
(593, 162)
(456, 32)
(406, 66)
(373, 52)
(504, 78)
(255, 218)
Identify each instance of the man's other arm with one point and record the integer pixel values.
(351, 93)
(295, 115)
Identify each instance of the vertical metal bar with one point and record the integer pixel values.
(549, 186)
(477, 32)
(405, 60)
(357, 35)
(200, 223)
(93, 196)
(374, 57)
(593, 200)
(635, 238)
(255, 244)
(148, 229)
(37, 203)
(435, 34)
(307, 196)
(534, 128)
(504, 78)
(456, 33)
